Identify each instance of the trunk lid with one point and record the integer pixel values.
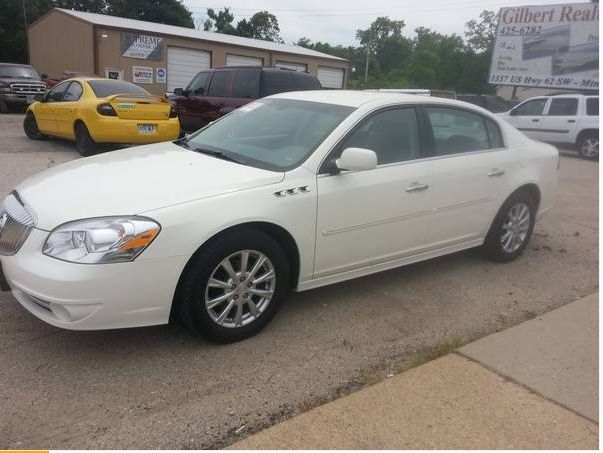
(140, 107)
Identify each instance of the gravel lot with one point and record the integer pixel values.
(161, 387)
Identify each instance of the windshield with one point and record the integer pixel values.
(18, 72)
(274, 134)
(104, 88)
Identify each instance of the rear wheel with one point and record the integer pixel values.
(511, 229)
(30, 126)
(232, 288)
(84, 143)
(588, 145)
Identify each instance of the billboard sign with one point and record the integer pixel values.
(555, 46)
(141, 46)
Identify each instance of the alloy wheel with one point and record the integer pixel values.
(590, 147)
(240, 288)
(515, 228)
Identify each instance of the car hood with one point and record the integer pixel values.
(8, 81)
(132, 181)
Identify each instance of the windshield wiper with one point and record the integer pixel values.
(218, 154)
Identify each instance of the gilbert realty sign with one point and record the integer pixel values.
(141, 46)
(555, 46)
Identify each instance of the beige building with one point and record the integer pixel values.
(159, 57)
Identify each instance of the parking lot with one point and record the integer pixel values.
(162, 387)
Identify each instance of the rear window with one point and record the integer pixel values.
(276, 82)
(104, 88)
(592, 106)
(563, 107)
(302, 81)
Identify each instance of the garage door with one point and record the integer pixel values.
(330, 77)
(293, 66)
(184, 64)
(241, 60)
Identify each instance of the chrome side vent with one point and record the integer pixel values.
(16, 222)
(292, 191)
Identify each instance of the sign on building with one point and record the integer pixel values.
(547, 46)
(160, 75)
(145, 47)
(142, 74)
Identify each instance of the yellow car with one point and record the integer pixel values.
(94, 110)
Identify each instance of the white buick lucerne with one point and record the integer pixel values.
(290, 192)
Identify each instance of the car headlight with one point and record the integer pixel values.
(101, 240)
(4, 89)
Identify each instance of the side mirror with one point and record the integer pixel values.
(43, 76)
(178, 91)
(357, 159)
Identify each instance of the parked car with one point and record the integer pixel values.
(91, 111)
(569, 119)
(214, 93)
(490, 102)
(295, 191)
(19, 85)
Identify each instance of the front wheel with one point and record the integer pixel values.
(588, 146)
(30, 127)
(233, 287)
(84, 143)
(511, 229)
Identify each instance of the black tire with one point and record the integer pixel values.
(30, 126)
(84, 143)
(193, 289)
(588, 145)
(3, 106)
(494, 246)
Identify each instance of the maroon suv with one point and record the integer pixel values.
(216, 92)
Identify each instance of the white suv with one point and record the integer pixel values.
(564, 119)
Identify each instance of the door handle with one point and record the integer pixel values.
(535, 120)
(496, 172)
(417, 186)
(571, 121)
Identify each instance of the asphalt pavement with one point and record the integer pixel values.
(162, 387)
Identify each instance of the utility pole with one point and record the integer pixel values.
(367, 63)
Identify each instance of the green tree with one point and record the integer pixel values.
(480, 33)
(220, 22)
(262, 25)
(13, 40)
(171, 12)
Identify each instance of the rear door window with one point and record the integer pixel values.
(592, 106)
(530, 108)
(563, 107)
(246, 84)
(218, 85)
(457, 131)
(276, 81)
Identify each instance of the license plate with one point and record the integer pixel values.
(29, 99)
(146, 128)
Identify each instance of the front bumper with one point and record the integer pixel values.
(118, 130)
(22, 99)
(92, 297)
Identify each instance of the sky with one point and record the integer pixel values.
(336, 21)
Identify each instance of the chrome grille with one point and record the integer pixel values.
(16, 222)
(28, 88)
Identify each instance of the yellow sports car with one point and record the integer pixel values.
(93, 110)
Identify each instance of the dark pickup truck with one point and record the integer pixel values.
(20, 84)
(216, 92)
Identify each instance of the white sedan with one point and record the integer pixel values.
(290, 192)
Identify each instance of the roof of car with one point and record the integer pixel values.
(353, 98)
(17, 64)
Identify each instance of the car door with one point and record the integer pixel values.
(375, 216)
(560, 120)
(191, 106)
(527, 117)
(219, 89)
(45, 111)
(471, 169)
(245, 88)
(65, 110)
